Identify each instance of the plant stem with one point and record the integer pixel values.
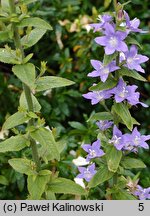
(27, 90)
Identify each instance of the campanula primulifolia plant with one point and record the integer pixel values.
(39, 150)
(111, 153)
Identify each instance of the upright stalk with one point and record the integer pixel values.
(28, 94)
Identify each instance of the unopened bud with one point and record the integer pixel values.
(120, 15)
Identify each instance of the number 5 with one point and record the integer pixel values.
(141, 206)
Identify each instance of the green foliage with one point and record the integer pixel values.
(14, 143)
(113, 157)
(36, 22)
(37, 185)
(101, 116)
(130, 163)
(26, 73)
(122, 111)
(15, 119)
(3, 180)
(24, 166)
(130, 73)
(102, 175)
(65, 186)
(110, 83)
(48, 82)
(48, 148)
(23, 103)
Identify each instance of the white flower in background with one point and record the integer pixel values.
(80, 161)
(3, 134)
(80, 182)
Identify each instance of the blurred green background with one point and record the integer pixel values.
(68, 50)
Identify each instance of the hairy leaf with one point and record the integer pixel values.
(15, 119)
(26, 73)
(65, 186)
(101, 116)
(14, 143)
(48, 143)
(22, 165)
(49, 82)
(113, 157)
(36, 185)
(122, 110)
(23, 103)
(110, 83)
(36, 22)
(34, 36)
(8, 56)
(102, 175)
(131, 73)
(129, 163)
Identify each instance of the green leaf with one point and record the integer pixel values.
(36, 22)
(129, 163)
(107, 3)
(33, 37)
(48, 143)
(130, 73)
(109, 58)
(65, 186)
(131, 40)
(77, 125)
(15, 119)
(123, 195)
(61, 145)
(3, 180)
(14, 143)
(102, 175)
(26, 73)
(113, 157)
(8, 56)
(122, 110)
(101, 116)
(26, 2)
(49, 82)
(110, 83)
(50, 195)
(134, 121)
(22, 165)
(23, 103)
(4, 36)
(36, 185)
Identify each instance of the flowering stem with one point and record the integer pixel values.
(27, 90)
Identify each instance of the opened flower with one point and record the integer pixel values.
(103, 125)
(117, 139)
(113, 40)
(93, 150)
(102, 70)
(103, 20)
(86, 173)
(122, 92)
(133, 60)
(136, 140)
(142, 193)
(97, 96)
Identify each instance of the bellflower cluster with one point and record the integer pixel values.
(129, 142)
(120, 56)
